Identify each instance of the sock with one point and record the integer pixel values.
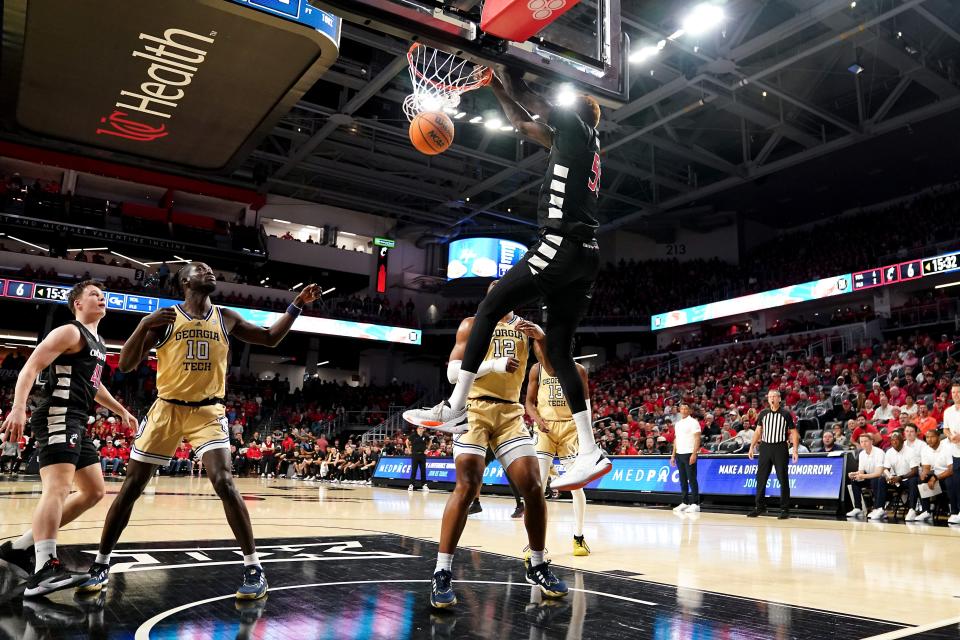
(444, 562)
(43, 550)
(585, 432)
(103, 558)
(458, 399)
(24, 541)
(579, 506)
(536, 558)
(251, 560)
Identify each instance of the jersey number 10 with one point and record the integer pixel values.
(198, 350)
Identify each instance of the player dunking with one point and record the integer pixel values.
(495, 420)
(192, 343)
(556, 435)
(74, 357)
(560, 268)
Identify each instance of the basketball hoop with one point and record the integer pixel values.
(439, 79)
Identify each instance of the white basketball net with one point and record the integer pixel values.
(439, 79)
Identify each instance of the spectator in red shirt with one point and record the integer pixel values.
(859, 427)
(924, 421)
(108, 456)
(181, 460)
(627, 449)
(123, 452)
(254, 456)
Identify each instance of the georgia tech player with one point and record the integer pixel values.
(495, 421)
(192, 343)
(556, 434)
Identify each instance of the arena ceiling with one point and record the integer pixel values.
(706, 121)
(763, 116)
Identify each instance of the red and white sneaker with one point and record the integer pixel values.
(586, 468)
(442, 417)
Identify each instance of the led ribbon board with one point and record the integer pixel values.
(136, 303)
(816, 290)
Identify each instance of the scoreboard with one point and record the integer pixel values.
(941, 264)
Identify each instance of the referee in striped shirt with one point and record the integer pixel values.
(774, 424)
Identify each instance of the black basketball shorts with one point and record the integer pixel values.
(65, 443)
(564, 267)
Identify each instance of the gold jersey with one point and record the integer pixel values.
(551, 403)
(192, 358)
(507, 342)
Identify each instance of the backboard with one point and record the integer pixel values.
(584, 46)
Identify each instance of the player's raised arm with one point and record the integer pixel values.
(57, 342)
(146, 336)
(269, 336)
(517, 114)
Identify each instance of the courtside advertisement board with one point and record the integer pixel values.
(813, 477)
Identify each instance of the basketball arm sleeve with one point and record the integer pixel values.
(496, 365)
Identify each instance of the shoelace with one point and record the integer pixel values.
(442, 582)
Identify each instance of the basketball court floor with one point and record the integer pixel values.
(355, 562)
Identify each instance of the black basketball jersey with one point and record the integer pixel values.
(570, 190)
(72, 381)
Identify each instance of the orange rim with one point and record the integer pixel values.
(481, 75)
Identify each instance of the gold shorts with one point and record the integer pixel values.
(561, 442)
(495, 425)
(167, 424)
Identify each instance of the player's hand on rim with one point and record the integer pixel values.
(160, 318)
(309, 293)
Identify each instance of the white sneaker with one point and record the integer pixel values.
(923, 516)
(877, 514)
(263, 475)
(425, 488)
(439, 418)
(911, 516)
(680, 508)
(693, 508)
(410, 488)
(854, 513)
(585, 469)
(954, 519)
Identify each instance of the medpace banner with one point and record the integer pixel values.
(189, 82)
(815, 476)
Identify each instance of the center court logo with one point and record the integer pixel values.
(174, 62)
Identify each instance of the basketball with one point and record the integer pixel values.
(431, 132)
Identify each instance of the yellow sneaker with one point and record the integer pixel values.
(580, 547)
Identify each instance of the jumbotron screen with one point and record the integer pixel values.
(482, 257)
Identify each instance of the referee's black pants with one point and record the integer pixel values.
(418, 461)
(561, 271)
(773, 456)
